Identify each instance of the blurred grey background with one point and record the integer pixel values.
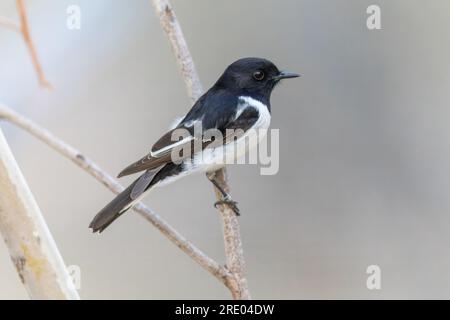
(365, 145)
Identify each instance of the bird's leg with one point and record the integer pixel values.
(226, 198)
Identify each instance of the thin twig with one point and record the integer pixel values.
(232, 238)
(31, 48)
(10, 24)
(108, 181)
(232, 241)
(179, 46)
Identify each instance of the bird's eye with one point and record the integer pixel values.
(258, 75)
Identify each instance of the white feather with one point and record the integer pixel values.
(169, 147)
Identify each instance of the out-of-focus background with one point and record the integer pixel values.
(365, 145)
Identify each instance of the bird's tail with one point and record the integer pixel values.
(131, 195)
(119, 205)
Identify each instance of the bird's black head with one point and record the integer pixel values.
(255, 77)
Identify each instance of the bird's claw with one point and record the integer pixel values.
(230, 203)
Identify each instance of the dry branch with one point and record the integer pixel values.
(30, 244)
(232, 238)
(179, 46)
(25, 30)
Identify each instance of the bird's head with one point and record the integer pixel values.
(253, 76)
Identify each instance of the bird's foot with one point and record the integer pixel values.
(230, 203)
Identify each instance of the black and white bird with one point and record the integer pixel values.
(239, 100)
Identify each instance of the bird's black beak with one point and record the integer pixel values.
(286, 75)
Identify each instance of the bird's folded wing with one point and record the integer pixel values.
(150, 162)
(146, 163)
(162, 150)
(174, 138)
(160, 153)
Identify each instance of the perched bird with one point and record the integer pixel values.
(239, 100)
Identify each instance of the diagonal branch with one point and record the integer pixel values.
(179, 46)
(25, 30)
(30, 244)
(233, 244)
(108, 181)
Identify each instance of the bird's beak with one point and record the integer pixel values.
(286, 75)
